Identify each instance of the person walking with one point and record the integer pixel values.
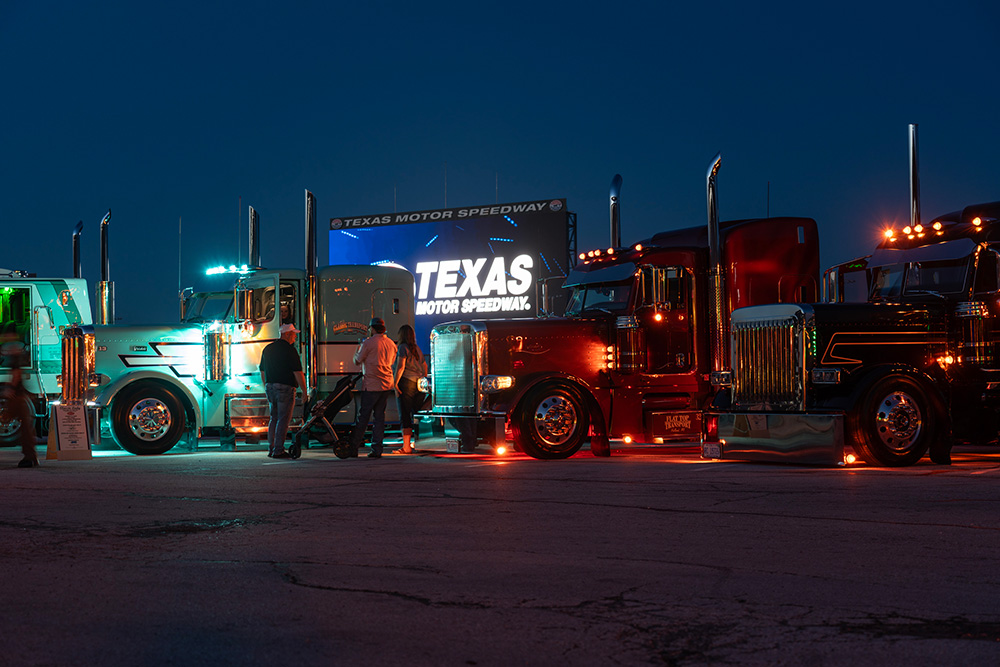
(407, 369)
(15, 399)
(281, 373)
(375, 355)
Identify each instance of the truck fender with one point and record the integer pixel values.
(106, 395)
(598, 422)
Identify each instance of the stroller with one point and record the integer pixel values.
(336, 400)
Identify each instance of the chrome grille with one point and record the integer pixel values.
(454, 371)
(768, 360)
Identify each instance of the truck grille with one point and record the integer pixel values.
(455, 373)
(768, 356)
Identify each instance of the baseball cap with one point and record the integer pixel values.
(376, 323)
(285, 328)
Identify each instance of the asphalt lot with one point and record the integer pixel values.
(651, 556)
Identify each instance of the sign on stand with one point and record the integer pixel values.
(72, 441)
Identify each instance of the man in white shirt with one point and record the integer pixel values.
(375, 355)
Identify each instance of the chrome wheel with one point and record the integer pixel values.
(149, 419)
(555, 420)
(898, 421)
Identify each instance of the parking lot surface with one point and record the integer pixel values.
(652, 556)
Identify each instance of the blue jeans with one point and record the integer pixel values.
(281, 403)
(371, 402)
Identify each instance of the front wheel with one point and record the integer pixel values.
(14, 410)
(147, 419)
(894, 422)
(551, 422)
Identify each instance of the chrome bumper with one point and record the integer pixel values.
(814, 439)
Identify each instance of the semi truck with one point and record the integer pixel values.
(642, 336)
(910, 369)
(159, 385)
(34, 312)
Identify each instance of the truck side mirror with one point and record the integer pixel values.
(244, 304)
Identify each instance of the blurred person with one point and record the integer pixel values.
(375, 355)
(15, 399)
(408, 367)
(281, 374)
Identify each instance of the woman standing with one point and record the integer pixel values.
(408, 367)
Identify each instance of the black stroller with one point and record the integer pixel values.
(336, 400)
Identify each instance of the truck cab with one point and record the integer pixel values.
(33, 314)
(630, 357)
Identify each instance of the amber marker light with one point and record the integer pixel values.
(627, 439)
(938, 226)
(583, 255)
(611, 251)
(918, 229)
(889, 233)
(658, 317)
(907, 230)
(850, 458)
(501, 450)
(977, 221)
(638, 246)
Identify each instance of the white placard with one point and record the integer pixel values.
(71, 429)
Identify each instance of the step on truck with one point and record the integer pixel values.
(912, 368)
(34, 312)
(159, 385)
(633, 356)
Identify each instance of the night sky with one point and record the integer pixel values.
(194, 110)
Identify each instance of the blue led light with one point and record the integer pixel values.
(498, 238)
(547, 267)
(428, 244)
(353, 236)
(511, 221)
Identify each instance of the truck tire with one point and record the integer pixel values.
(147, 419)
(551, 422)
(10, 419)
(894, 422)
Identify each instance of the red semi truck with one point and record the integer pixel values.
(634, 355)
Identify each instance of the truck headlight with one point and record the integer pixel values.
(826, 376)
(490, 384)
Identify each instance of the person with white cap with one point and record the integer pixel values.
(375, 355)
(281, 373)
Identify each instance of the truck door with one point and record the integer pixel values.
(657, 394)
(256, 307)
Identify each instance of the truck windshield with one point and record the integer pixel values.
(209, 307)
(609, 297)
(931, 277)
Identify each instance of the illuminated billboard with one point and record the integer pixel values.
(474, 262)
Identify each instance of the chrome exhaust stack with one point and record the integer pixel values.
(105, 288)
(312, 303)
(616, 220)
(77, 263)
(914, 178)
(254, 237)
(716, 282)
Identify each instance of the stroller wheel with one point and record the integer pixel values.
(295, 449)
(341, 449)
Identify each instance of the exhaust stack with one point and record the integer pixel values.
(77, 263)
(312, 302)
(105, 288)
(616, 221)
(254, 237)
(914, 178)
(716, 282)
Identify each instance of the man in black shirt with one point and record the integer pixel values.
(280, 373)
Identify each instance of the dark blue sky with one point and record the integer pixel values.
(168, 110)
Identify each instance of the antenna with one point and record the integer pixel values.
(179, 254)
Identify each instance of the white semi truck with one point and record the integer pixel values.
(33, 314)
(158, 385)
